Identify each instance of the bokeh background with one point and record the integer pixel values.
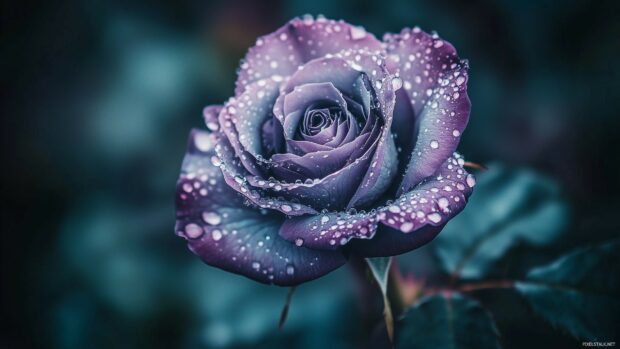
(98, 98)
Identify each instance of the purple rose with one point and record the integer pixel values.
(335, 144)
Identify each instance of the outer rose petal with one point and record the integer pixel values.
(242, 119)
(227, 234)
(433, 108)
(210, 114)
(297, 42)
(430, 204)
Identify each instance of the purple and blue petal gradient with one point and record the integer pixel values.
(334, 144)
(431, 203)
(433, 107)
(298, 42)
(227, 234)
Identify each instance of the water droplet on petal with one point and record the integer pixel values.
(290, 269)
(357, 33)
(394, 209)
(434, 144)
(216, 234)
(193, 231)
(471, 180)
(286, 208)
(216, 161)
(299, 242)
(203, 142)
(443, 203)
(434, 217)
(211, 218)
(397, 83)
(406, 227)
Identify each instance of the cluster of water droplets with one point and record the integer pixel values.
(432, 202)
(301, 40)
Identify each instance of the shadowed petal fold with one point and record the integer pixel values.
(432, 203)
(227, 234)
(433, 107)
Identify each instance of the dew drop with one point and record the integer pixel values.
(406, 227)
(187, 187)
(299, 242)
(460, 80)
(394, 209)
(211, 218)
(216, 161)
(434, 217)
(357, 33)
(255, 265)
(434, 144)
(216, 234)
(290, 269)
(213, 126)
(471, 181)
(203, 142)
(286, 208)
(397, 83)
(456, 133)
(443, 203)
(193, 231)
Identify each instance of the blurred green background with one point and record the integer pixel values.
(99, 97)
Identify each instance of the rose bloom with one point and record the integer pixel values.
(334, 145)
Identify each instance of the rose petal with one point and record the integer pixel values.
(331, 192)
(297, 42)
(298, 147)
(210, 115)
(348, 75)
(242, 121)
(239, 179)
(434, 83)
(431, 203)
(318, 164)
(295, 103)
(226, 234)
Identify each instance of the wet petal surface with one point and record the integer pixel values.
(433, 107)
(226, 233)
(297, 42)
(431, 203)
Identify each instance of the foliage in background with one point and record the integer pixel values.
(99, 99)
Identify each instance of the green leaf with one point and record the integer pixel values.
(579, 292)
(380, 268)
(507, 207)
(447, 321)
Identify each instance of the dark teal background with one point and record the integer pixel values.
(98, 98)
